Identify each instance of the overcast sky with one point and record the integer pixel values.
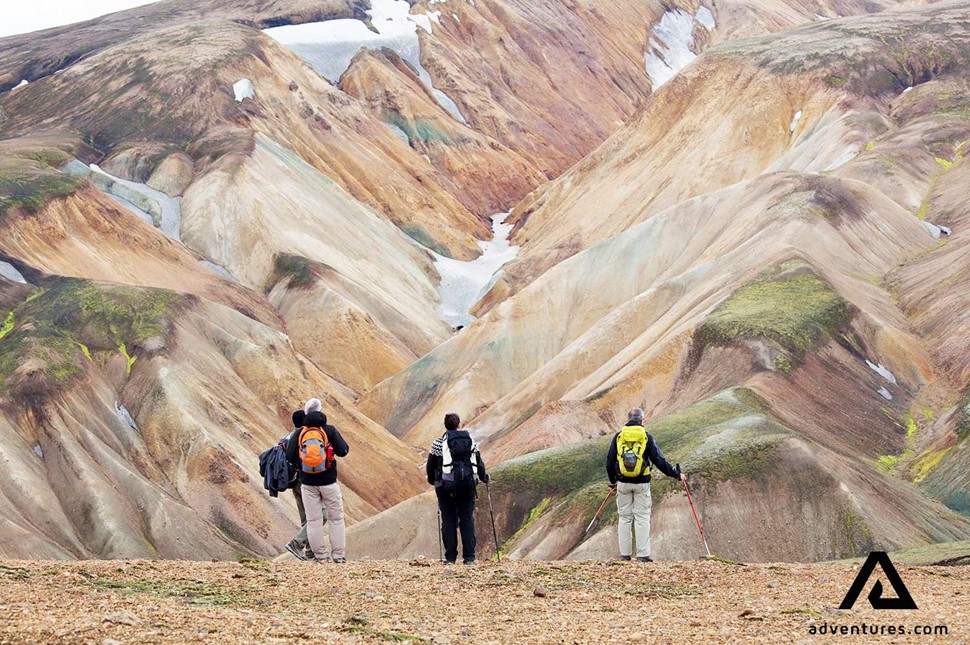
(21, 16)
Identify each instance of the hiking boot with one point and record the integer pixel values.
(625, 558)
(321, 560)
(340, 560)
(468, 561)
(645, 558)
(309, 554)
(295, 552)
(447, 562)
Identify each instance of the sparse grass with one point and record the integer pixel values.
(194, 593)
(927, 463)
(886, 463)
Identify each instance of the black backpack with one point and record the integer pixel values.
(459, 468)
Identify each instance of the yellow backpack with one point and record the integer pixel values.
(631, 451)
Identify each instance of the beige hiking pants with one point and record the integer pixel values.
(633, 505)
(315, 499)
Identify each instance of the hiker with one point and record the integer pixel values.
(315, 450)
(628, 468)
(299, 546)
(454, 468)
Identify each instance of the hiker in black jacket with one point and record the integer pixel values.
(315, 450)
(628, 467)
(299, 546)
(454, 468)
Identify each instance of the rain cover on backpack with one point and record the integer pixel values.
(631, 449)
(316, 453)
(459, 462)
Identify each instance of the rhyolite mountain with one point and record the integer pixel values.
(748, 218)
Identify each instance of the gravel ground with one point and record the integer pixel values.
(378, 601)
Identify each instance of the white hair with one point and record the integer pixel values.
(313, 405)
(636, 414)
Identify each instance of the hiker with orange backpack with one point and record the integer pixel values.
(299, 546)
(316, 450)
(628, 467)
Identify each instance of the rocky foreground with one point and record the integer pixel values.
(256, 601)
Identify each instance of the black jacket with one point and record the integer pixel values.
(433, 467)
(327, 477)
(294, 465)
(274, 471)
(653, 453)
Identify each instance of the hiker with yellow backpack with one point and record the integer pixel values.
(316, 451)
(628, 461)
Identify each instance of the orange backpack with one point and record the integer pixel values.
(316, 453)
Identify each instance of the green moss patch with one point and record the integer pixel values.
(418, 130)
(296, 268)
(70, 319)
(28, 184)
(791, 310)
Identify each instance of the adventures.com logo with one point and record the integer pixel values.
(902, 600)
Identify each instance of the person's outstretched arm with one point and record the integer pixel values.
(482, 475)
(340, 447)
(657, 459)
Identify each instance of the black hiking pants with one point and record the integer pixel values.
(457, 512)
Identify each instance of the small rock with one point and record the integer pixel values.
(111, 641)
(123, 618)
(540, 592)
(420, 562)
(773, 584)
(746, 613)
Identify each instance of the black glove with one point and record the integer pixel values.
(485, 478)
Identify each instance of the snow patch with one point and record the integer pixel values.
(884, 393)
(464, 283)
(217, 269)
(126, 417)
(23, 83)
(706, 18)
(153, 206)
(670, 48)
(38, 450)
(881, 371)
(908, 89)
(329, 46)
(455, 16)
(243, 89)
(937, 231)
(843, 159)
(9, 272)
(820, 17)
(794, 122)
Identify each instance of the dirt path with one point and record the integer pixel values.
(547, 602)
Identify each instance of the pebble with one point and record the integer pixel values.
(123, 618)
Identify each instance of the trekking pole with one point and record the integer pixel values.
(441, 556)
(694, 511)
(602, 506)
(488, 493)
